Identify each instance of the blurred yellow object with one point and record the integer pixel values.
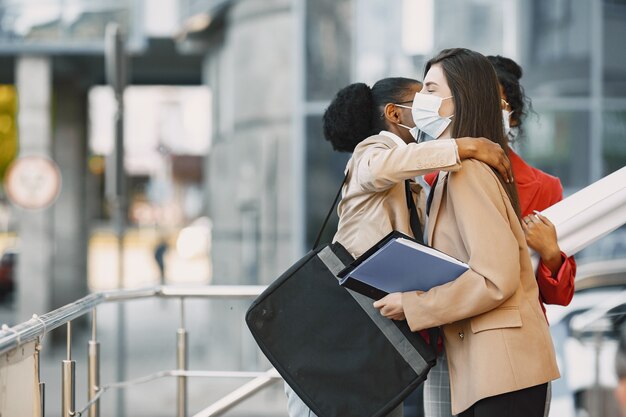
(96, 164)
(140, 267)
(8, 127)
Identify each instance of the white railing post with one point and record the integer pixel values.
(93, 372)
(181, 362)
(68, 376)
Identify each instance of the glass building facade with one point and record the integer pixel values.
(67, 25)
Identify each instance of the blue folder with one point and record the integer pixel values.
(399, 264)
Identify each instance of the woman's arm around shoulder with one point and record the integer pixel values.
(380, 163)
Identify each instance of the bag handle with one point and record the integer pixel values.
(319, 235)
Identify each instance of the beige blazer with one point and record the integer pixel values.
(496, 336)
(373, 199)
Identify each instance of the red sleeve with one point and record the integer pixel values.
(557, 191)
(557, 289)
(426, 336)
(430, 178)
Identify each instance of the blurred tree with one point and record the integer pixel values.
(8, 127)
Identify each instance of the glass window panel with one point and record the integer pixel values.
(557, 142)
(561, 30)
(323, 172)
(328, 47)
(559, 48)
(614, 52)
(614, 140)
(473, 24)
(379, 37)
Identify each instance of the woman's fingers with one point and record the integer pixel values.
(382, 306)
(529, 221)
(506, 163)
(379, 304)
(543, 219)
(503, 165)
(488, 152)
(536, 220)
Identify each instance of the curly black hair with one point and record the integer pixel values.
(356, 112)
(509, 73)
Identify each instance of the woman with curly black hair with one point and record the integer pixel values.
(518, 104)
(376, 125)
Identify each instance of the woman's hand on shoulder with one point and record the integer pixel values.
(390, 306)
(488, 152)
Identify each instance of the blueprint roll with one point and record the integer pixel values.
(589, 214)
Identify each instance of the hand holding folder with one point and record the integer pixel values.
(399, 264)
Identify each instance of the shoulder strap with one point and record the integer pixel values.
(429, 200)
(414, 219)
(319, 235)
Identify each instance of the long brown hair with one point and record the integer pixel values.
(477, 108)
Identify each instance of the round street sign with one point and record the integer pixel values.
(33, 182)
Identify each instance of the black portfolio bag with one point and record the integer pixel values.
(335, 350)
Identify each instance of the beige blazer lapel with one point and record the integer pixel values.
(434, 207)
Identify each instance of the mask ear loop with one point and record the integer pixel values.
(404, 107)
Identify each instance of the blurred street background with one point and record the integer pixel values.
(226, 176)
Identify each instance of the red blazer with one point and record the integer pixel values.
(538, 191)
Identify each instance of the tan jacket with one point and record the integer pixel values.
(496, 336)
(373, 199)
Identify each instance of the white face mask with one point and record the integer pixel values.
(425, 112)
(506, 117)
(513, 134)
(414, 131)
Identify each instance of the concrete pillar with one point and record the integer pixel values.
(69, 264)
(33, 76)
(248, 168)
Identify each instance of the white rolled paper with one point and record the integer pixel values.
(589, 214)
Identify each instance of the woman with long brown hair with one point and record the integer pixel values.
(496, 338)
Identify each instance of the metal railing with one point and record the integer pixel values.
(37, 327)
